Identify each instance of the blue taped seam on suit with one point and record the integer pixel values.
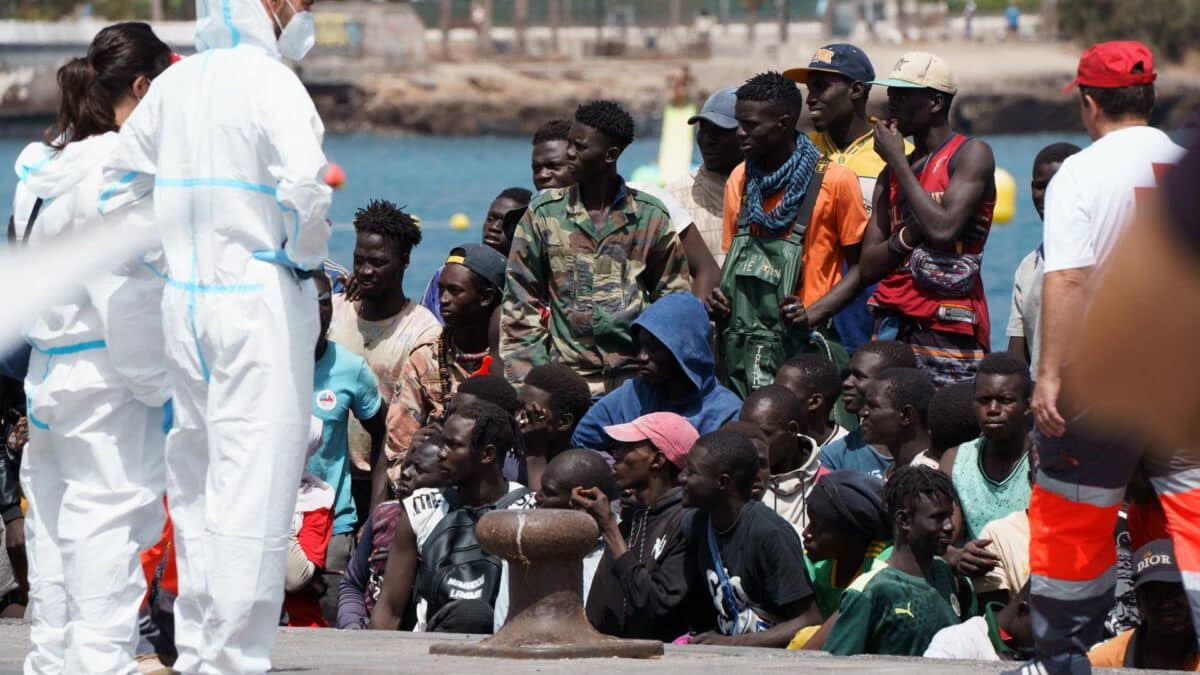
(69, 349)
(60, 350)
(111, 190)
(235, 36)
(215, 182)
(203, 288)
(27, 169)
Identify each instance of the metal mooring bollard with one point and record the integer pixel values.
(544, 549)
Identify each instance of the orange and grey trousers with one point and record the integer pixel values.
(1081, 482)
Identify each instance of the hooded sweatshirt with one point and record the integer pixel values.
(118, 310)
(681, 324)
(787, 491)
(641, 594)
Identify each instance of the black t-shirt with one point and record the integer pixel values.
(764, 569)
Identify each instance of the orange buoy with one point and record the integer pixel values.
(335, 176)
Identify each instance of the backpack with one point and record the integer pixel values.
(453, 566)
(383, 527)
(14, 363)
(759, 271)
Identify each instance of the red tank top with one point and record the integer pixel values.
(897, 293)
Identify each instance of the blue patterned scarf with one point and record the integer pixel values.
(792, 178)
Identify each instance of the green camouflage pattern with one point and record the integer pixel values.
(595, 284)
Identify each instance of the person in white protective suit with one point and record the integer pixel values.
(93, 469)
(228, 147)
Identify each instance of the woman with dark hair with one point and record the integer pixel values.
(93, 469)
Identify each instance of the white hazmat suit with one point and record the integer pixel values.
(93, 470)
(228, 145)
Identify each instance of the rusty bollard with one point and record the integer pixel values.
(544, 549)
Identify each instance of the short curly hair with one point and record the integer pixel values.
(494, 389)
(952, 419)
(568, 390)
(609, 118)
(772, 87)
(1007, 363)
(820, 374)
(554, 130)
(391, 222)
(894, 354)
(908, 386)
(732, 453)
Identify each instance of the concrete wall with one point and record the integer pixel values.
(352, 38)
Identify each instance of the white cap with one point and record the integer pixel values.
(921, 70)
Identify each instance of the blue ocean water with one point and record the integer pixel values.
(438, 177)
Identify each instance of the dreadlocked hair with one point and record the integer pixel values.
(609, 118)
(909, 483)
(568, 390)
(391, 222)
(493, 426)
(772, 87)
(554, 130)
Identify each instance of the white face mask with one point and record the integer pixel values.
(298, 36)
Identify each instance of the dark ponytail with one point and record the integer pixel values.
(89, 88)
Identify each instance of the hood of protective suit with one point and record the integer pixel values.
(48, 173)
(681, 324)
(222, 24)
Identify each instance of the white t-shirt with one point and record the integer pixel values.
(1091, 199)
(680, 217)
(968, 640)
(1025, 318)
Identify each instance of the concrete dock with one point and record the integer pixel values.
(360, 652)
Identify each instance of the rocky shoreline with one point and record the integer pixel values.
(355, 108)
(1002, 89)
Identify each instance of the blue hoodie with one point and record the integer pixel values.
(681, 324)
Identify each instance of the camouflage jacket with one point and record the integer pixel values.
(594, 282)
(420, 399)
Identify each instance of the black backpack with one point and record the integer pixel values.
(453, 566)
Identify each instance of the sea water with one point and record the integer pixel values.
(436, 178)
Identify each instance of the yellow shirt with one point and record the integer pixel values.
(859, 157)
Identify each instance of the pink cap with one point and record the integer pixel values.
(671, 434)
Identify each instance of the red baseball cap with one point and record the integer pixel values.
(1111, 65)
(670, 434)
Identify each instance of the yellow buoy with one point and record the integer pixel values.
(1006, 197)
(460, 221)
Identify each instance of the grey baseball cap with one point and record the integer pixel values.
(482, 260)
(718, 109)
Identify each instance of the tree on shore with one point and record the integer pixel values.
(1167, 26)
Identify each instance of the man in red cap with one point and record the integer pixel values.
(640, 585)
(1084, 465)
